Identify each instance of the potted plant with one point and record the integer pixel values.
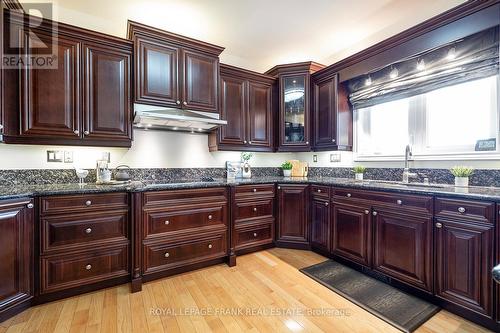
(246, 171)
(359, 170)
(462, 174)
(287, 169)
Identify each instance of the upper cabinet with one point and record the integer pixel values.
(332, 115)
(174, 71)
(246, 104)
(85, 99)
(294, 121)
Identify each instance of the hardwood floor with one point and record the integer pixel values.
(265, 281)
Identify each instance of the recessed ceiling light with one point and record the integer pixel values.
(175, 128)
(394, 73)
(421, 65)
(452, 54)
(368, 81)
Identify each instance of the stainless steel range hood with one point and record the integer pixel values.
(162, 118)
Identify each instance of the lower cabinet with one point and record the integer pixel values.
(464, 259)
(403, 246)
(351, 229)
(320, 220)
(16, 259)
(293, 219)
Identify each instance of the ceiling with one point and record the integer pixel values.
(259, 34)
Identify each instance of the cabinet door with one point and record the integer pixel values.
(157, 74)
(352, 233)
(50, 98)
(320, 219)
(293, 228)
(403, 247)
(107, 106)
(464, 259)
(233, 109)
(259, 115)
(16, 237)
(201, 75)
(324, 113)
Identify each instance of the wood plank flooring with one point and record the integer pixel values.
(264, 293)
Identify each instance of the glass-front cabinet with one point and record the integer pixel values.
(294, 125)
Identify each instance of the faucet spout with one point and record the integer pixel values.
(406, 172)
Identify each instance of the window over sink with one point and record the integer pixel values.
(455, 122)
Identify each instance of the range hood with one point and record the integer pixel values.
(163, 118)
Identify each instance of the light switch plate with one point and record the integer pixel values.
(335, 157)
(315, 158)
(68, 157)
(55, 155)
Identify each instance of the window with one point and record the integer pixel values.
(446, 121)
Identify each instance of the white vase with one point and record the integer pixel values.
(462, 181)
(246, 171)
(287, 173)
(358, 176)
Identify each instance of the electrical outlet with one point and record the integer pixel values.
(335, 157)
(315, 158)
(68, 157)
(55, 155)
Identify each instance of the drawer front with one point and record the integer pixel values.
(83, 203)
(253, 236)
(182, 220)
(254, 191)
(468, 209)
(74, 270)
(164, 256)
(65, 232)
(248, 210)
(185, 197)
(416, 203)
(320, 191)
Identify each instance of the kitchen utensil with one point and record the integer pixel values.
(121, 173)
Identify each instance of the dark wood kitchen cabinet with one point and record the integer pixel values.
(84, 99)
(332, 115)
(320, 218)
(16, 264)
(352, 232)
(464, 245)
(293, 221)
(294, 120)
(246, 104)
(173, 70)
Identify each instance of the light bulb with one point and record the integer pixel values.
(394, 73)
(368, 81)
(452, 54)
(421, 65)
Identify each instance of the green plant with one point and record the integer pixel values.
(462, 171)
(286, 166)
(246, 156)
(359, 169)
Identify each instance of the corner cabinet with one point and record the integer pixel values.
(294, 121)
(84, 100)
(332, 115)
(16, 264)
(246, 104)
(173, 70)
(293, 219)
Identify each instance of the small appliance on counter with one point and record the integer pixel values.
(121, 173)
(299, 168)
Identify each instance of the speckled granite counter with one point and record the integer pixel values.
(480, 193)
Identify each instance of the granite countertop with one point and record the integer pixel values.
(473, 192)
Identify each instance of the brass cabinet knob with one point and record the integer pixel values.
(210, 246)
(439, 225)
(461, 210)
(88, 203)
(255, 234)
(367, 211)
(399, 202)
(88, 230)
(88, 267)
(167, 222)
(30, 205)
(166, 255)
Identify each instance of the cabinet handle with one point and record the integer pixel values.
(167, 222)
(210, 246)
(245, 141)
(1, 127)
(255, 234)
(348, 195)
(367, 212)
(326, 203)
(88, 267)
(77, 132)
(255, 209)
(30, 205)
(209, 217)
(86, 133)
(185, 103)
(307, 142)
(374, 213)
(333, 140)
(255, 190)
(319, 190)
(279, 187)
(439, 225)
(88, 203)
(178, 102)
(88, 230)
(461, 210)
(166, 255)
(250, 142)
(399, 202)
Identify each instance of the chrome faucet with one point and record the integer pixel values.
(406, 172)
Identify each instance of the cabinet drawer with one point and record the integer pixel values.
(74, 270)
(320, 191)
(254, 191)
(252, 236)
(163, 256)
(413, 202)
(184, 197)
(65, 232)
(471, 210)
(248, 210)
(186, 219)
(84, 202)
